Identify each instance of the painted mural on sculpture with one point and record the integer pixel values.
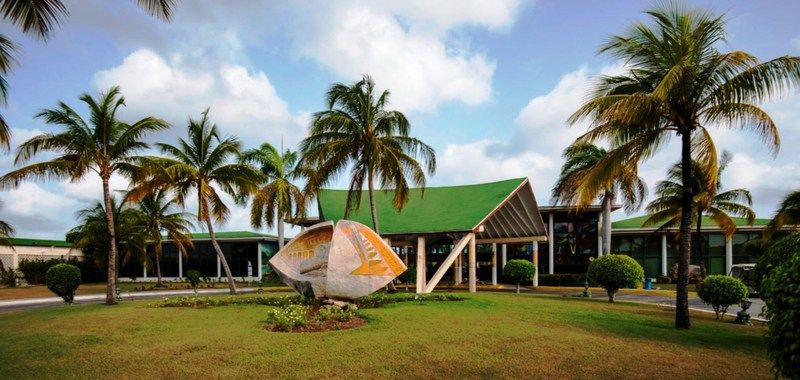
(346, 260)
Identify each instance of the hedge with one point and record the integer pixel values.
(780, 291)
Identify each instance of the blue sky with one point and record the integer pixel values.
(487, 83)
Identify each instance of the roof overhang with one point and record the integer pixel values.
(515, 219)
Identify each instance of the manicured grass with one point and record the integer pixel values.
(488, 335)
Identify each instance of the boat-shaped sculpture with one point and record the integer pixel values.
(344, 261)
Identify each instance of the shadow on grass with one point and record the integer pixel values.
(648, 322)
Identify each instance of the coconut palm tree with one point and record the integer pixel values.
(358, 131)
(38, 19)
(104, 146)
(578, 160)
(709, 200)
(159, 214)
(788, 213)
(201, 166)
(277, 197)
(92, 238)
(677, 83)
(6, 232)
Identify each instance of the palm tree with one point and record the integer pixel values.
(356, 130)
(201, 164)
(709, 200)
(788, 213)
(579, 160)
(157, 210)
(38, 19)
(92, 236)
(677, 82)
(277, 197)
(104, 145)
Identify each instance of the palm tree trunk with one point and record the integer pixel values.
(280, 233)
(372, 207)
(231, 284)
(111, 284)
(698, 249)
(687, 200)
(607, 223)
(157, 247)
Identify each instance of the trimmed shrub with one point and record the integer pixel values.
(614, 272)
(193, 277)
(63, 280)
(518, 271)
(780, 290)
(777, 253)
(721, 292)
(335, 313)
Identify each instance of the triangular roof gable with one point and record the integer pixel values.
(438, 209)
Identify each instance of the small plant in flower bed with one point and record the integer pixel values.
(288, 317)
(335, 313)
(201, 302)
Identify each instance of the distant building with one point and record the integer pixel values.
(35, 249)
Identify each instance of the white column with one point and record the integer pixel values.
(180, 264)
(144, 272)
(472, 259)
(551, 242)
(420, 264)
(219, 268)
(503, 257)
(536, 263)
(600, 234)
(664, 255)
(494, 263)
(258, 255)
(728, 254)
(458, 266)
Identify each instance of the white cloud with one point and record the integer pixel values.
(406, 47)
(243, 103)
(38, 212)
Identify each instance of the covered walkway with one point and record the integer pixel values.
(454, 219)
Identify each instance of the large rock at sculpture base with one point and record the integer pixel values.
(347, 260)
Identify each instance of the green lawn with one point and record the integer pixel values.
(489, 335)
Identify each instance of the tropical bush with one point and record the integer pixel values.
(409, 276)
(721, 292)
(35, 271)
(614, 272)
(781, 251)
(780, 290)
(288, 317)
(9, 278)
(518, 271)
(63, 280)
(193, 277)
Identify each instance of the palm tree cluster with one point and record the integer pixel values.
(677, 83)
(204, 166)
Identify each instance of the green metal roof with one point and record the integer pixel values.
(438, 209)
(25, 242)
(637, 222)
(232, 235)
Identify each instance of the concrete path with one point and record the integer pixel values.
(33, 303)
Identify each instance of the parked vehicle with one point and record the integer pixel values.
(744, 272)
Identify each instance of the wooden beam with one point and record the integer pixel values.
(448, 262)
